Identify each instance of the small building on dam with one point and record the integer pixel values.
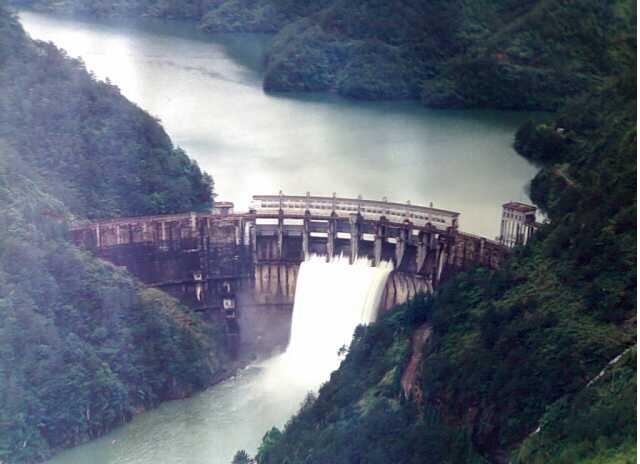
(243, 267)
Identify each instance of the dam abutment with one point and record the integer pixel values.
(243, 268)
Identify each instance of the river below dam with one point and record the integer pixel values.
(211, 426)
(207, 92)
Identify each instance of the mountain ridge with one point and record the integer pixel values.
(533, 55)
(83, 345)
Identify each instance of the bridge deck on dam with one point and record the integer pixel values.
(222, 261)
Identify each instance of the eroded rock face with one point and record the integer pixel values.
(410, 387)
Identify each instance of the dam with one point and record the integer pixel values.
(243, 267)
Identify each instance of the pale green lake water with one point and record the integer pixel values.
(207, 92)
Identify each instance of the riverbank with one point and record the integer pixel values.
(456, 55)
(250, 128)
(83, 345)
(452, 158)
(449, 158)
(507, 371)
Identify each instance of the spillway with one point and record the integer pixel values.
(165, 67)
(332, 298)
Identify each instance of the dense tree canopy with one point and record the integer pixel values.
(513, 54)
(102, 155)
(512, 368)
(83, 346)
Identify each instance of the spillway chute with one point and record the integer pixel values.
(332, 298)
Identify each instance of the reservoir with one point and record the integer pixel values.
(207, 92)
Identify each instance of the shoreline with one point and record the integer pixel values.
(227, 374)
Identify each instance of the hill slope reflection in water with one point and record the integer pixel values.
(332, 298)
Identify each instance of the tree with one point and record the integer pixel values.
(242, 457)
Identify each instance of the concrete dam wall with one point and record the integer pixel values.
(243, 268)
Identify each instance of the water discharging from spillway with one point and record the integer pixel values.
(332, 298)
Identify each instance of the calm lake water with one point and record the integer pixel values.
(206, 90)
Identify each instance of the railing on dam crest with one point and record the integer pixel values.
(223, 260)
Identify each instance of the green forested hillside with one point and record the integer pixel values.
(507, 54)
(597, 425)
(102, 155)
(463, 53)
(257, 15)
(553, 50)
(188, 9)
(213, 15)
(510, 371)
(83, 346)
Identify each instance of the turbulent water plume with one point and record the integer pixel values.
(332, 298)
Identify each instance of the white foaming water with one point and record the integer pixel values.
(332, 299)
